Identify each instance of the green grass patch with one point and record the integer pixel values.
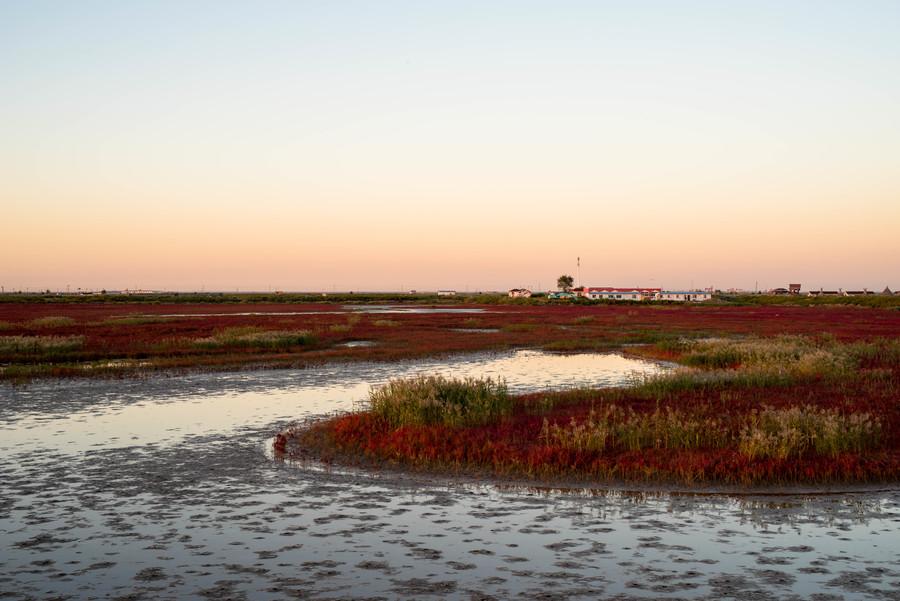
(439, 400)
(882, 301)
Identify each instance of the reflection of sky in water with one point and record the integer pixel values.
(376, 309)
(216, 403)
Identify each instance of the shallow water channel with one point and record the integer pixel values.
(163, 488)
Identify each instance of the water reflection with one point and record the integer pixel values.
(104, 416)
(375, 309)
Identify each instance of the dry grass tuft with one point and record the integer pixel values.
(251, 336)
(617, 427)
(52, 321)
(386, 323)
(800, 431)
(33, 345)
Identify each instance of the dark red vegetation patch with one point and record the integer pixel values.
(514, 447)
(116, 331)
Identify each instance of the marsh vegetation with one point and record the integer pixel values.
(741, 411)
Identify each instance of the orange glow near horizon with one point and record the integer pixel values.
(449, 149)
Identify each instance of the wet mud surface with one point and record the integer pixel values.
(163, 489)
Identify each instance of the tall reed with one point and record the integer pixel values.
(618, 427)
(439, 400)
(799, 431)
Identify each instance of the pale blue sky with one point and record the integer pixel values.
(372, 144)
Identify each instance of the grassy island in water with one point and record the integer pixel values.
(779, 410)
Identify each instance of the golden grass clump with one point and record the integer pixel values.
(427, 400)
(251, 336)
(52, 321)
(386, 323)
(135, 320)
(40, 344)
(352, 321)
(796, 352)
(615, 426)
(799, 431)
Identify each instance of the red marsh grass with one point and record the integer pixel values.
(165, 336)
(794, 410)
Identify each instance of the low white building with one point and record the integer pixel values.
(520, 293)
(684, 295)
(620, 294)
(446, 292)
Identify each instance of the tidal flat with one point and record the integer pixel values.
(166, 487)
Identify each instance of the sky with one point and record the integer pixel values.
(341, 145)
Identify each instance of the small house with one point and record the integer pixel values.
(446, 292)
(520, 293)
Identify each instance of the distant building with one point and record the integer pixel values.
(887, 291)
(520, 293)
(446, 292)
(794, 288)
(780, 291)
(840, 292)
(684, 296)
(561, 295)
(626, 294)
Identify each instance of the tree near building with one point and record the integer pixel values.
(565, 282)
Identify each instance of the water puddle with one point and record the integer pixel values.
(161, 488)
(357, 344)
(374, 309)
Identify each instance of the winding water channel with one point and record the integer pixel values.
(162, 487)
